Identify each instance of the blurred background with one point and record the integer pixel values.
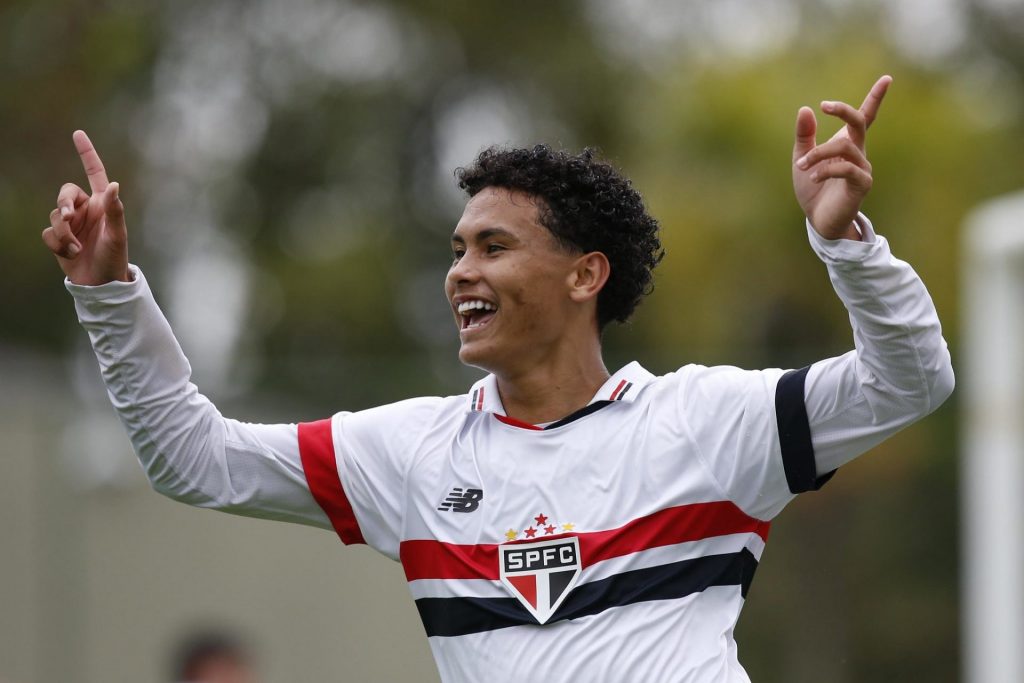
(287, 171)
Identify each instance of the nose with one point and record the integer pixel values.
(463, 271)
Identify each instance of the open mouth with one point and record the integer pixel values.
(476, 313)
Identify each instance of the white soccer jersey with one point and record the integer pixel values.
(611, 523)
(617, 544)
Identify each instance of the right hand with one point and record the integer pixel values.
(87, 233)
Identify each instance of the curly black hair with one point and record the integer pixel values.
(588, 206)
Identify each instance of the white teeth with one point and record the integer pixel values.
(476, 304)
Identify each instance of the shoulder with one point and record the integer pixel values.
(701, 388)
(403, 422)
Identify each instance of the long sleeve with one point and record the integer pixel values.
(189, 451)
(900, 369)
(767, 435)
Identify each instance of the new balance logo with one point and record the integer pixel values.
(462, 500)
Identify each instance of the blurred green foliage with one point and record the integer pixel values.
(337, 207)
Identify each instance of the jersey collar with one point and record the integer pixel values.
(625, 385)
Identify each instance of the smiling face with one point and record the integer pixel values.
(511, 285)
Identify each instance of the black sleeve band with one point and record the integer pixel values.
(795, 434)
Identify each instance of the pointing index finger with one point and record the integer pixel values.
(91, 162)
(874, 99)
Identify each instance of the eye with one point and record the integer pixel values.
(457, 253)
(494, 248)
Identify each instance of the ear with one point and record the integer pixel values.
(588, 276)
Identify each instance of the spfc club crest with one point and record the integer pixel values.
(541, 574)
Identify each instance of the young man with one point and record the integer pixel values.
(557, 522)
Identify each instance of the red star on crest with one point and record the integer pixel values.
(548, 530)
(530, 533)
(541, 519)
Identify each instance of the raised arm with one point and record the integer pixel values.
(900, 369)
(188, 450)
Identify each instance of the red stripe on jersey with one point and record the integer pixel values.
(517, 423)
(668, 527)
(316, 448)
(480, 400)
(427, 559)
(617, 390)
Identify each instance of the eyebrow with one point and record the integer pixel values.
(486, 234)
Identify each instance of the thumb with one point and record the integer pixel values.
(806, 127)
(114, 210)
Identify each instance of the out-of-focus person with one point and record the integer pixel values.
(212, 657)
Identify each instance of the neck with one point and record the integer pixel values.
(548, 392)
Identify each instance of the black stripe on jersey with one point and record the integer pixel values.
(795, 434)
(624, 390)
(462, 616)
(582, 412)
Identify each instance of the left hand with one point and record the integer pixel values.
(832, 179)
